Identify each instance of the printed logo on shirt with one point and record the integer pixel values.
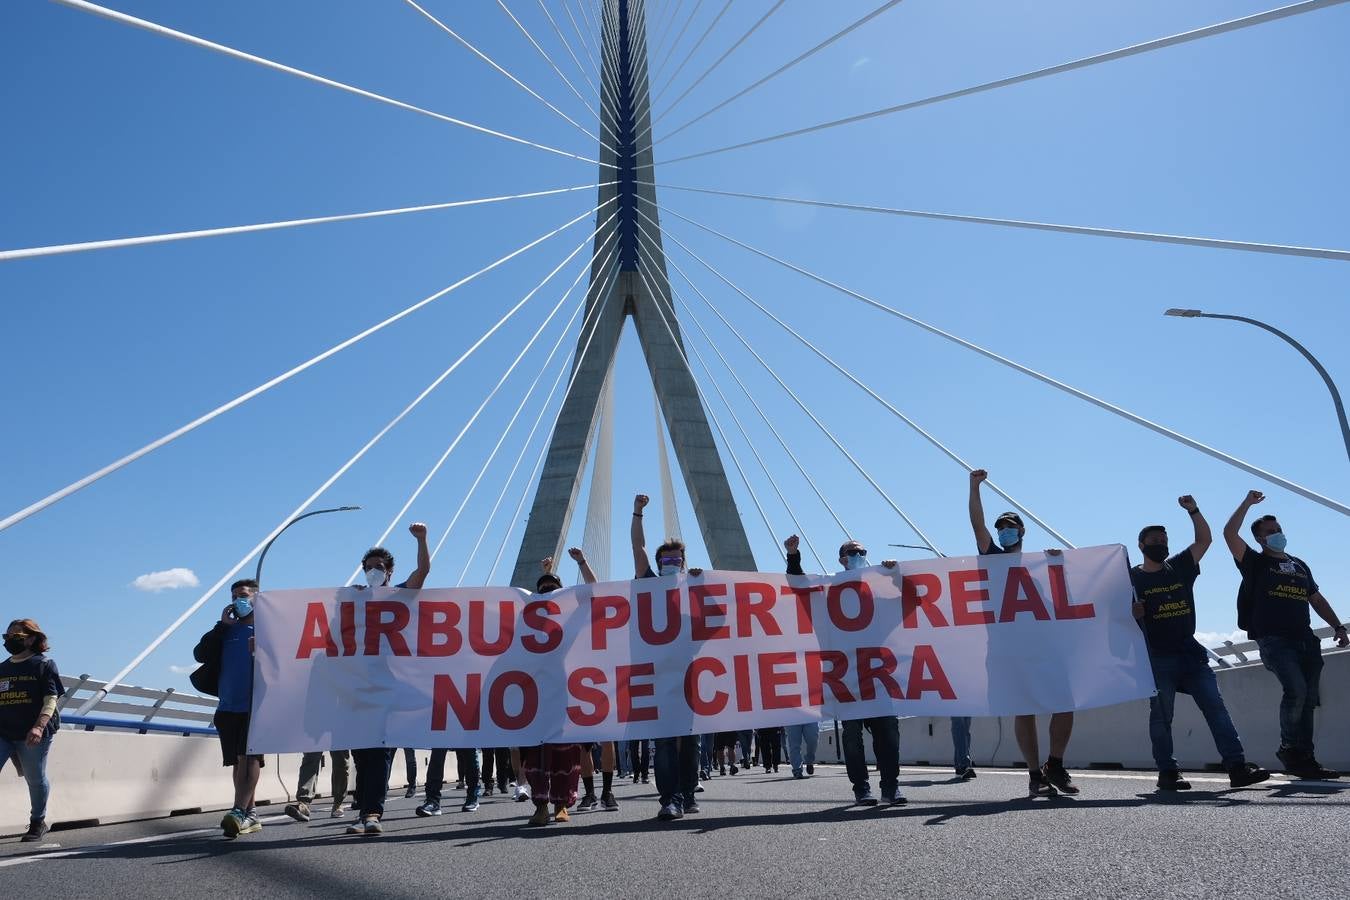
(4, 685)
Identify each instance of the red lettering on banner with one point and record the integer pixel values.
(607, 613)
(877, 664)
(580, 684)
(963, 596)
(802, 595)
(741, 665)
(392, 630)
(911, 600)
(506, 627)
(315, 634)
(537, 616)
(437, 619)
(701, 610)
(817, 676)
(1020, 595)
(718, 701)
(445, 696)
(347, 627)
(770, 680)
(1059, 593)
(628, 690)
(529, 702)
(646, 615)
(836, 607)
(761, 610)
(925, 674)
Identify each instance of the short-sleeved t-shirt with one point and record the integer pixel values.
(236, 669)
(23, 687)
(1279, 589)
(1169, 602)
(992, 549)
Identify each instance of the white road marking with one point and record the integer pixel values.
(97, 848)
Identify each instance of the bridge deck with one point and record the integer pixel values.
(758, 836)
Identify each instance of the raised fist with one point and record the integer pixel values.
(1188, 503)
(577, 555)
(1254, 497)
(977, 476)
(418, 530)
(791, 544)
(546, 564)
(640, 501)
(695, 572)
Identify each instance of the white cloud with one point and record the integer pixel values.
(182, 670)
(154, 582)
(860, 62)
(1216, 638)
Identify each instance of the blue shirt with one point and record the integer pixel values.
(236, 669)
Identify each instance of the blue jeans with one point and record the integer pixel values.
(34, 762)
(677, 769)
(1297, 663)
(1190, 673)
(961, 743)
(705, 751)
(797, 736)
(744, 738)
(885, 746)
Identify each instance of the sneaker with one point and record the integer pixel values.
(459, 784)
(36, 831)
(721, 770)
(588, 803)
(669, 812)
(297, 811)
(635, 779)
(797, 773)
(967, 773)
(1039, 787)
(864, 798)
(470, 805)
(704, 774)
(430, 808)
(1316, 771)
(522, 793)
(692, 807)
(487, 791)
(1246, 774)
(232, 823)
(540, 816)
(810, 769)
(372, 826)
(251, 824)
(1060, 778)
(894, 798)
(1301, 764)
(338, 811)
(560, 814)
(644, 779)
(356, 827)
(411, 792)
(698, 789)
(1171, 780)
(734, 770)
(608, 802)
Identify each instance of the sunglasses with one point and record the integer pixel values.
(18, 634)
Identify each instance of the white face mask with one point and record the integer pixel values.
(855, 561)
(668, 570)
(376, 577)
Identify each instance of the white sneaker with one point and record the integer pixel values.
(339, 810)
(522, 793)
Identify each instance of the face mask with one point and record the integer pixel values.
(1008, 537)
(667, 569)
(243, 607)
(1277, 541)
(855, 561)
(376, 577)
(15, 645)
(1156, 552)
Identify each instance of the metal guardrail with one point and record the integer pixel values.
(90, 723)
(158, 710)
(1248, 653)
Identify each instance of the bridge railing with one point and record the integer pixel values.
(146, 710)
(1229, 655)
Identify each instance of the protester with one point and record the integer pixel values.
(373, 763)
(466, 761)
(308, 782)
(961, 748)
(1164, 604)
(801, 748)
(724, 752)
(771, 740)
(1278, 590)
(885, 730)
(30, 685)
(677, 758)
(639, 753)
(1051, 778)
(410, 764)
(496, 770)
(227, 650)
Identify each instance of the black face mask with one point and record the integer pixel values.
(15, 645)
(1156, 552)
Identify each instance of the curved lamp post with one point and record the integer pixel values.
(257, 574)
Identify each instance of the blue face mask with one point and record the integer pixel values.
(1007, 537)
(1277, 541)
(243, 607)
(855, 561)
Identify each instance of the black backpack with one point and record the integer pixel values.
(206, 677)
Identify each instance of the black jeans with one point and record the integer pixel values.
(1296, 661)
(639, 754)
(467, 761)
(498, 760)
(771, 746)
(372, 778)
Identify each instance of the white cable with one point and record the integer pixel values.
(55, 249)
(581, 38)
(692, 50)
(671, 50)
(948, 452)
(1218, 243)
(482, 471)
(156, 28)
(417, 492)
(890, 4)
(522, 85)
(568, 47)
(174, 435)
(825, 429)
(1039, 376)
(1110, 56)
(595, 537)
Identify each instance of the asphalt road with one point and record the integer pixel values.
(758, 836)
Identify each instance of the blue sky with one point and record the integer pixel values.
(120, 132)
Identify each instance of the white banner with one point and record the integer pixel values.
(489, 667)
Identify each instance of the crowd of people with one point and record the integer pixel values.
(1276, 598)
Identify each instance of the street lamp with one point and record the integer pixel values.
(1331, 385)
(912, 547)
(257, 575)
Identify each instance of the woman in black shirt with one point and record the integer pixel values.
(29, 688)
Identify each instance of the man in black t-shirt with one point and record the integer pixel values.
(1281, 590)
(1164, 604)
(30, 686)
(1052, 778)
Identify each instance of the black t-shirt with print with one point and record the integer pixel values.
(23, 685)
(1169, 602)
(1279, 589)
(992, 549)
